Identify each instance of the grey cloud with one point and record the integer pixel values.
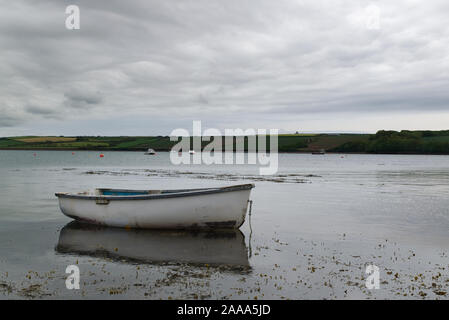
(82, 99)
(8, 117)
(214, 60)
(40, 110)
(8, 121)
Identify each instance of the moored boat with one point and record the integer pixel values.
(222, 207)
(321, 151)
(150, 152)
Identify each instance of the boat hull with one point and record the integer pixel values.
(204, 210)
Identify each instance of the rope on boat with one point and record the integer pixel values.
(250, 228)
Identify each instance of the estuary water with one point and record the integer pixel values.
(314, 228)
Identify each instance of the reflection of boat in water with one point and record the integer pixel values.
(215, 248)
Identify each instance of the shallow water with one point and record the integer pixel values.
(315, 226)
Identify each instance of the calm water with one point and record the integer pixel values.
(316, 225)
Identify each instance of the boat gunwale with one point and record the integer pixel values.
(170, 194)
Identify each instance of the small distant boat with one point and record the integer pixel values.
(150, 151)
(223, 207)
(191, 151)
(321, 151)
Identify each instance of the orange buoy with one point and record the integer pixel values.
(73, 153)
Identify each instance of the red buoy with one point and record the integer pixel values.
(101, 155)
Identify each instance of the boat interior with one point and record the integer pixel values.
(123, 192)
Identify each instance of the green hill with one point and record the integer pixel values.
(404, 142)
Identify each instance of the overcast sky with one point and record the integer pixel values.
(148, 67)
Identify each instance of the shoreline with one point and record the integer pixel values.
(383, 142)
(282, 152)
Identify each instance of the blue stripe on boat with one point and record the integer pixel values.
(123, 193)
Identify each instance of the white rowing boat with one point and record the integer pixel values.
(223, 207)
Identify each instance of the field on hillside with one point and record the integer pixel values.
(286, 142)
(425, 142)
(44, 139)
